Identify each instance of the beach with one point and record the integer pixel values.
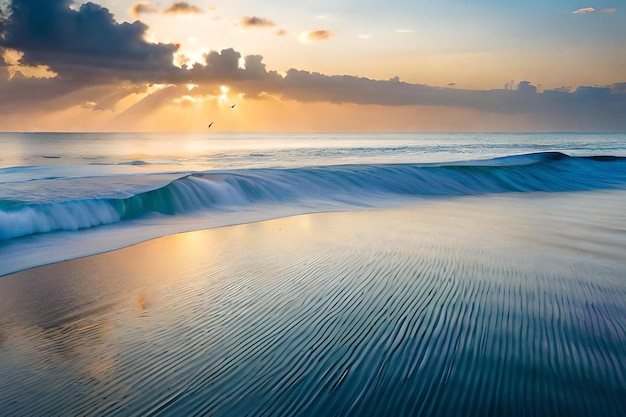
(496, 305)
(312, 209)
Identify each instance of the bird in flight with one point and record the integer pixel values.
(210, 124)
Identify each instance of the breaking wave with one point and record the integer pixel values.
(346, 185)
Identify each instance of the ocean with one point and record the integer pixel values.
(67, 195)
(404, 274)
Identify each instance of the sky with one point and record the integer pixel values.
(279, 65)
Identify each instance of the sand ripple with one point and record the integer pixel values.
(401, 325)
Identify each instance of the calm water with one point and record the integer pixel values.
(459, 275)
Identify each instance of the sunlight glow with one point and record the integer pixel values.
(224, 96)
(186, 58)
(152, 88)
(186, 100)
(13, 58)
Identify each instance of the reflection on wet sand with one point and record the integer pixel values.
(492, 306)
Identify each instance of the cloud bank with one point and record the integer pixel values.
(96, 62)
(83, 43)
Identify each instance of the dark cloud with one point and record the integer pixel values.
(255, 68)
(100, 61)
(23, 95)
(223, 66)
(142, 7)
(3, 20)
(587, 108)
(312, 86)
(253, 21)
(181, 7)
(84, 43)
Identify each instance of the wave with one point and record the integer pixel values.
(347, 185)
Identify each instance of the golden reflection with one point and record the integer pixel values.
(81, 341)
(76, 312)
(141, 304)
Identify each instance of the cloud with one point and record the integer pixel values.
(3, 19)
(100, 61)
(182, 7)
(587, 108)
(28, 96)
(609, 10)
(619, 88)
(142, 7)
(281, 32)
(85, 44)
(13, 59)
(315, 35)
(223, 66)
(253, 21)
(584, 10)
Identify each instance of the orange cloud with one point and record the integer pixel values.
(584, 10)
(13, 59)
(281, 32)
(316, 35)
(181, 7)
(253, 21)
(609, 10)
(142, 7)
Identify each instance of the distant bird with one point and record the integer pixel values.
(210, 124)
(233, 106)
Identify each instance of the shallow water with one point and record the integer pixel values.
(509, 305)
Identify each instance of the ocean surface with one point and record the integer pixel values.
(439, 275)
(66, 195)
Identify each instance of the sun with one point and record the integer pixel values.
(223, 98)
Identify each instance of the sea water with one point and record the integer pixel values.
(493, 285)
(66, 195)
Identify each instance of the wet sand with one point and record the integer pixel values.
(509, 305)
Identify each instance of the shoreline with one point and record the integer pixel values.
(434, 309)
(17, 255)
(97, 239)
